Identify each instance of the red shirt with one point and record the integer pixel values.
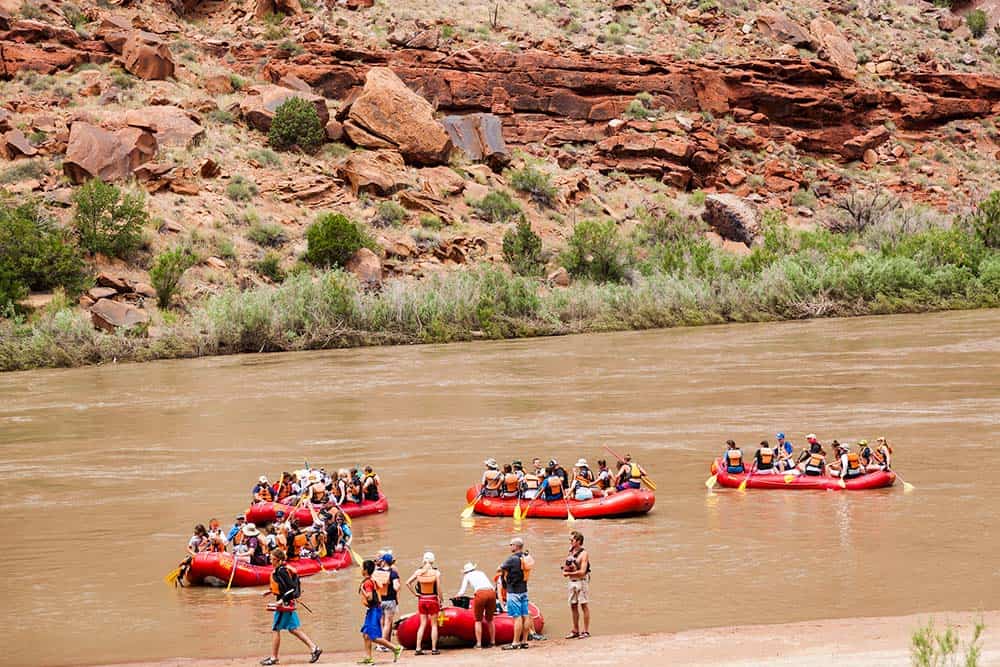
(369, 590)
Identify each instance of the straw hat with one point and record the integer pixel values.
(250, 530)
(582, 463)
(468, 567)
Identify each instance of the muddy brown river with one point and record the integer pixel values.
(106, 470)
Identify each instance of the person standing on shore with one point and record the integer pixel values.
(577, 571)
(484, 601)
(285, 588)
(387, 579)
(371, 629)
(515, 579)
(429, 599)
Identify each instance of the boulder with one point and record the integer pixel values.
(334, 130)
(294, 83)
(261, 102)
(110, 315)
(146, 290)
(14, 144)
(172, 125)
(480, 137)
(98, 293)
(147, 56)
(379, 173)
(855, 147)
(441, 182)
(117, 283)
(949, 22)
(367, 267)
(833, 46)
(5, 117)
(734, 218)
(218, 84)
(559, 277)
(779, 27)
(94, 152)
(389, 110)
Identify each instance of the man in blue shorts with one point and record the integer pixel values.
(515, 571)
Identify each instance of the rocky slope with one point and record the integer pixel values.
(626, 108)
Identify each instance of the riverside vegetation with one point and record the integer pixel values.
(663, 273)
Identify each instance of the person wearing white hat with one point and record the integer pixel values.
(583, 481)
(492, 479)
(425, 583)
(262, 492)
(252, 547)
(484, 600)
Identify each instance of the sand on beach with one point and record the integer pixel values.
(874, 642)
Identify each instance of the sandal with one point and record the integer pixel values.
(419, 651)
(314, 656)
(435, 652)
(269, 661)
(584, 634)
(573, 635)
(524, 645)
(510, 647)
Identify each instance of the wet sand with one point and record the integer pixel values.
(874, 642)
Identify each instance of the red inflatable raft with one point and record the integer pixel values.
(871, 480)
(213, 569)
(621, 503)
(262, 513)
(460, 624)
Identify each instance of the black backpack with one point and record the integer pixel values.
(293, 577)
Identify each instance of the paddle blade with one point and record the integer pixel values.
(649, 483)
(840, 483)
(358, 560)
(789, 479)
(710, 482)
(347, 518)
(467, 512)
(907, 487)
(172, 576)
(517, 510)
(569, 515)
(743, 484)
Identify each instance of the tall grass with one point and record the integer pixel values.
(683, 282)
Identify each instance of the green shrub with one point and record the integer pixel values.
(497, 207)
(389, 214)
(35, 254)
(264, 157)
(270, 266)
(168, 269)
(22, 170)
(929, 648)
(433, 222)
(636, 110)
(108, 220)
(985, 222)
(296, 123)
(976, 20)
(595, 251)
(666, 227)
(267, 234)
(241, 188)
(333, 239)
(522, 249)
(222, 116)
(534, 183)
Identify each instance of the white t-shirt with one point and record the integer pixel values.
(476, 581)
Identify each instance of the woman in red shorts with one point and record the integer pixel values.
(425, 583)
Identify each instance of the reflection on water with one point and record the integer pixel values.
(107, 469)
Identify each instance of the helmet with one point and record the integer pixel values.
(862, 442)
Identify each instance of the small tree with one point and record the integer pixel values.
(108, 220)
(296, 123)
(333, 239)
(168, 269)
(985, 222)
(522, 249)
(977, 21)
(534, 183)
(595, 251)
(35, 254)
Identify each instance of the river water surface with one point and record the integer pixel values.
(106, 470)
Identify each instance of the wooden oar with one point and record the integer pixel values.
(467, 512)
(569, 515)
(645, 478)
(232, 573)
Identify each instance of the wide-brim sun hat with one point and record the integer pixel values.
(582, 463)
(429, 557)
(250, 530)
(262, 479)
(468, 567)
(490, 463)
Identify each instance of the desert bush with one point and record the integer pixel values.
(168, 269)
(497, 207)
(296, 123)
(977, 21)
(264, 157)
(534, 183)
(241, 188)
(270, 266)
(862, 208)
(389, 214)
(985, 222)
(596, 251)
(522, 249)
(333, 238)
(35, 254)
(108, 220)
(22, 170)
(930, 648)
(267, 234)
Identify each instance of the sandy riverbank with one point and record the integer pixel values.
(874, 642)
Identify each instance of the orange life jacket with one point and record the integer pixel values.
(766, 455)
(493, 479)
(511, 482)
(531, 482)
(734, 457)
(527, 563)
(381, 579)
(427, 582)
(300, 541)
(816, 460)
(274, 585)
(555, 484)
(265, 494)
(879, 456)
(853, 461)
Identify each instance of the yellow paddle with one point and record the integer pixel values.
(232, 573)
(569, 515)
(172, 577)
(470, 508)
(524, 515)
(710, 482)
(907, 487)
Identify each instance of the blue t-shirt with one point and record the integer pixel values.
(390, 593)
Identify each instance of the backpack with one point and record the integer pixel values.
(296, 584)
